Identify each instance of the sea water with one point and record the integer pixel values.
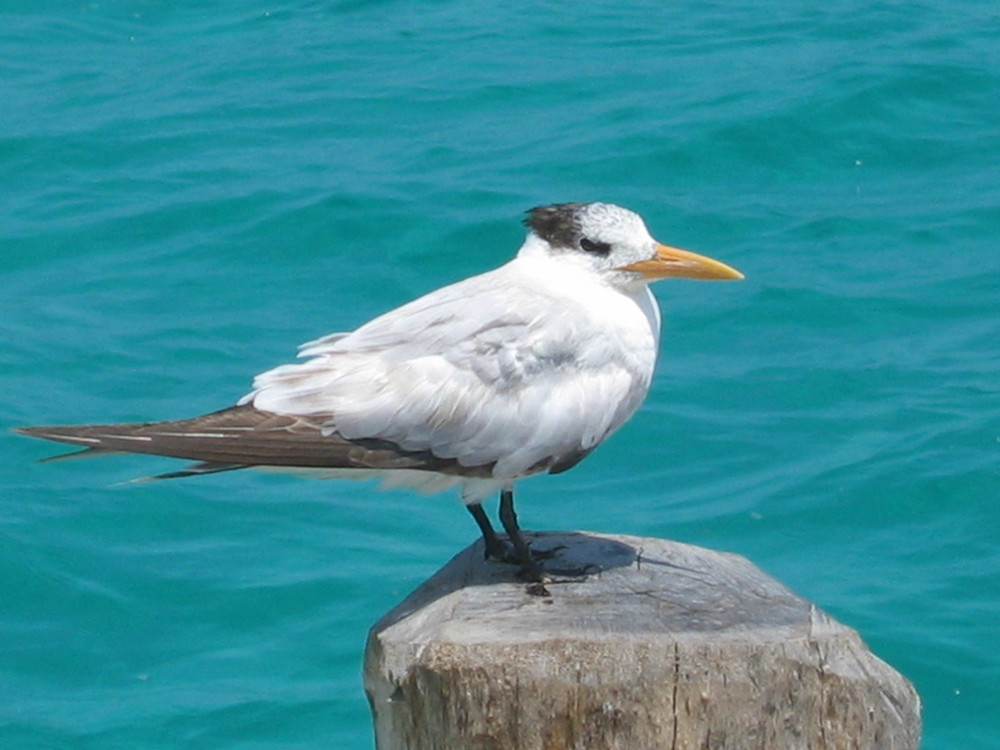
(189, 190)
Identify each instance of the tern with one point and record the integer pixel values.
(522, 370)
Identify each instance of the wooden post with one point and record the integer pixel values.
(663, 645)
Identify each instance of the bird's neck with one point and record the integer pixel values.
(614, 306)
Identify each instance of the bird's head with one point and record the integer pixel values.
(614, 242)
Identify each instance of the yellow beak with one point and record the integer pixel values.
(671, 261)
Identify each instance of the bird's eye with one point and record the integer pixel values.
(597, 248)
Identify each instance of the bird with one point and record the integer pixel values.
(522, 370)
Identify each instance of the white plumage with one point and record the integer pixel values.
(521, 370)
(535, 361)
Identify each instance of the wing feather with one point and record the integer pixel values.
(245, 436)
(517, 381)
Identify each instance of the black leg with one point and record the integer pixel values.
(494, 547)
(530, 570)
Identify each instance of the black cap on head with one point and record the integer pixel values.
(558, 224)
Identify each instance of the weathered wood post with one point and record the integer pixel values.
(664, 645)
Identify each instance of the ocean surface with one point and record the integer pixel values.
(189, 190)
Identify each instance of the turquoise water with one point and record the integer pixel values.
(190, 190)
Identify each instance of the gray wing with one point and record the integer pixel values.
(242, 436)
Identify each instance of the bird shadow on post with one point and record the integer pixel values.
(663, 645)
(567, 558)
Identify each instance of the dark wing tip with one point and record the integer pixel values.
(63, 434)
(88, 452)
(194, 470)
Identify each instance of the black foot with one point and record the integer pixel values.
(500, 552)
(538, 572)
(505, 552)
(515, 549)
